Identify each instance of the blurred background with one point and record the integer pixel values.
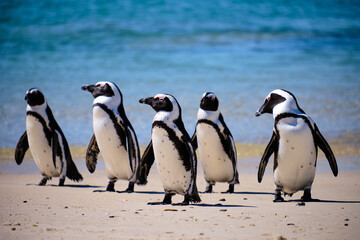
(241, 50)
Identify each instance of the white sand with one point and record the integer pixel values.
(77, 211)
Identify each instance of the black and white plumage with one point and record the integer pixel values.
(172, 149)
(46, 141)
(294, 143)
(114, 137)
(216, 145)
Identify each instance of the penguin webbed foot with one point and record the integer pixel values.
(307, 197)
(43, 181)
(186, 201)
(209, 188)
(130, 188)
(278, 197)
(231, 189)
(158, 203)
(61, 182)
(111, 187)
(166, 201)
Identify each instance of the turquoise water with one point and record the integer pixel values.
(241, 50)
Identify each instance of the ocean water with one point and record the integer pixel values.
(241, 50)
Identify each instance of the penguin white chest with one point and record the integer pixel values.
(216, 163)
(173, 174)
(40, 148)
(112, 149)
(296, 155)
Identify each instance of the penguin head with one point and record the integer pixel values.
(104, 92)
(209, 102)
(34, 97)
(165, 104)
(279, 101)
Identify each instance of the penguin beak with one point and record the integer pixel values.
(257, 114)
(88, 88)
(148, 101)
(261, 111)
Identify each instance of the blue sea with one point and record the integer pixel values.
(241, 50)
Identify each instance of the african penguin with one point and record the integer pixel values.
(294, 143)
(172, 149)
(113, 136)
(46, 141)
(216, 145)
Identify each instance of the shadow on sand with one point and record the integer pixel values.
(221, 205)
(249, 193)
(141, 192)
(322, 201)
(66, 185)
(254, 193)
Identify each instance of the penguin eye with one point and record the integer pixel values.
(161, 99)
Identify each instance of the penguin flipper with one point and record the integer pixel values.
(233, 159)
(193, 191)
(133, 149)
(21, 147)
(325, 147)
(71, 171)
(270, 149)
(54, 145)
(231, 150)
(146, 162)
(92, 153)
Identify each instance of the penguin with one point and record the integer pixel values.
(172, 149)
(46, 141)
(294, 142)
(114, 137)
(216, 145)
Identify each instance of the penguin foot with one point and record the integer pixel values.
(307, 197)
(130, 188)
(167, 200)
(111, 187)
(61, 182)
(158, 203)
(309, 200)
(43, 182)
(208, 189)
(186, 201)
(231, 189)
(278, 197)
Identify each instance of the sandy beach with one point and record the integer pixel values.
(239, 50)
(84, 210)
